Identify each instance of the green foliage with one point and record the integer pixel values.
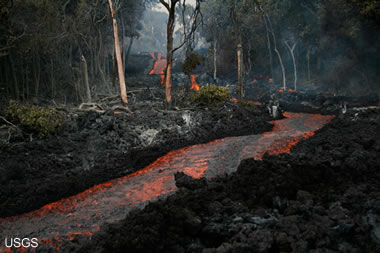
(40, 120)
(211, 95)
(191, 62)
(246, 103)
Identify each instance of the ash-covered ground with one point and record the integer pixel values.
(322, 197)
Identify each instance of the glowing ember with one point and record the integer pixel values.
(194, 85)
(84, 213)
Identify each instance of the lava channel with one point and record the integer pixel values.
(59, 223)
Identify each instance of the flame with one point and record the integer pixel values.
(159, 65)
(235, 100)
(194, 85)
(281, 90)
(254, 80)
(291, 90)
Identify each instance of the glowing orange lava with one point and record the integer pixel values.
(83, 214)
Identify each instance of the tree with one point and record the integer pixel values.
(120, 67)
(170, 6)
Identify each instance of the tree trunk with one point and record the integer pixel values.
(169, 57)
(16, 91)
(36, 72)
(240, 83)
(114, 69)
(308, 64)
(215, 48)
(83, 65)
(277, 52)
(269, 51)
(120, 68)
(291, 50)
(52, 79)
(100, 69)
(128, 52)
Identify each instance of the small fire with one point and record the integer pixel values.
(254, 80)
(281, 90)
(291, 90)
(194, 85)
(159, 65)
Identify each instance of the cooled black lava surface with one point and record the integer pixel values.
(322, 197)
(94, 148)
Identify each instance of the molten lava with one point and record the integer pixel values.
(83, 214)
(194, 85)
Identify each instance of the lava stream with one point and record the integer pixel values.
(60, 222)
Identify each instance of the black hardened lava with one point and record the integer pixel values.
(322, 197)
(95, 148)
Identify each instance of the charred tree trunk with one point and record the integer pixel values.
(83, 64)
(15, 88)
(240, 81)
(114, 69)
(169, 49)
(291, 50)
(36, 72)
(277, 52)
(215, 51)
(100, 68)
(308, 64)
(52, 79)
(123, 90)
(269, 51)
(128, 52)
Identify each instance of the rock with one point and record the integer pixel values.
(184, 181)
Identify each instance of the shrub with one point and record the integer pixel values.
(34, 119)
(246, 103)
(211, 95)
